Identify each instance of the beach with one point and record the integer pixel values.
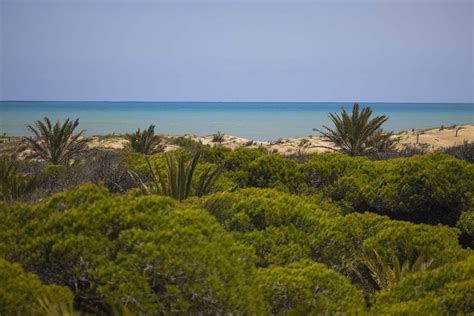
(431, 139)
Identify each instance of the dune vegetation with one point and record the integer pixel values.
(212, 230)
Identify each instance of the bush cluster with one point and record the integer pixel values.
(332, 234)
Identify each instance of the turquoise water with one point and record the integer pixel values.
(255, 120)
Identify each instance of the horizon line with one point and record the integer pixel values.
(207, 101)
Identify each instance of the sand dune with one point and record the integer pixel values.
(430, 139)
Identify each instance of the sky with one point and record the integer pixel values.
(247, 50)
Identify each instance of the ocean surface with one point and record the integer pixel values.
(254, 120)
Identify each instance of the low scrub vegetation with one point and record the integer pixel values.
(210, 230)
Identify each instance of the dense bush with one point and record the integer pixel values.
(286, 228)
(279, 226)
(432, 189)
(241, 158)
(217, 154)
(23, 293)
(148, 253)
(342, 246)
(275, 171)
(323, 170)
(290, 242)
(448, 290)
(309, 288)
(466, 225)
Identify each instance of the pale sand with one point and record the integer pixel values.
(431, 139)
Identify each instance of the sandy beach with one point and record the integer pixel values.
(430, 139)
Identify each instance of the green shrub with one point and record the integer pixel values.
(447, 290)
(21, 293)
(466, 225)
(241, 158)
(286, 228)
(281, 227)
(146, 252)
(275, 171)
(136, 162)
(324, 169)
(309, 288)
(14, 184)
(431, 189)
(217, 154)
(349, 237)
(261, 208)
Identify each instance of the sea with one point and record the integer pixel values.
(252, 120)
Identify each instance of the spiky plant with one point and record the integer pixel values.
(145, 141)
(46, 307)
(207, 180)
(356, 133)
(218, 137)
(177, 179)
(13, 184)
(384, 272)
(179, 174)
(56, 143)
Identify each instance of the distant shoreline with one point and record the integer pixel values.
(429, 139)
(213, 101)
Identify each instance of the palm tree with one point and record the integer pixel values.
(356, 134)
(56, 144)
(144, 142)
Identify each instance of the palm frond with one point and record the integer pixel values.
(56, 143)
(356, 133)
(145, 142)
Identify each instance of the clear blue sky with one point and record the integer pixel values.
(248, 50)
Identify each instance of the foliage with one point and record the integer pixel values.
(145, 141)
(178, 178)
(215, 154)
(186, 143)
(285, 228)
(434, 188)
(349, 236)
(56, 144)
(145, 252)
(466, 225)
(384, 272)
(323, 170)
(291, 240)
(275, 171)
(13, 184)
(309, 288)
(218, 137)
(356, 134)
(241, 158)
(95, 166)
(21, 293)
(447, 290)
(464, 151)
(279, 226)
